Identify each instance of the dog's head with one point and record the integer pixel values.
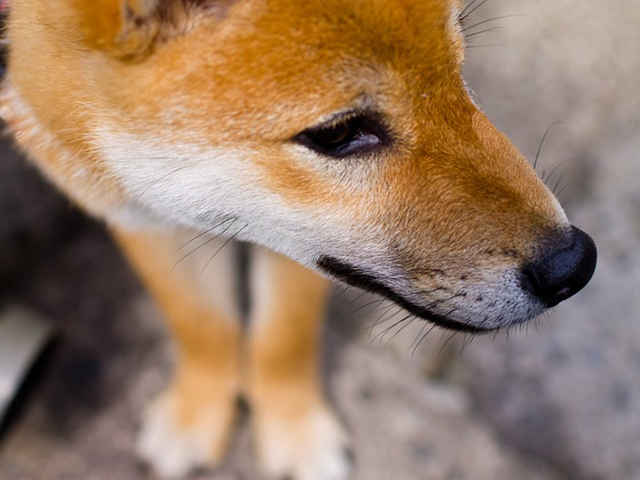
(338, 133)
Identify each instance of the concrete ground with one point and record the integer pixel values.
(559, 401)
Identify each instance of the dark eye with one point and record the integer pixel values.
(350, 136)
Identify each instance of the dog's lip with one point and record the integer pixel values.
(361, 279)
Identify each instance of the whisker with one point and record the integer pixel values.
(227, 242)
(552, 174)
(350, 291)
(425, 326)
(209, 240)
(563, 189)
(471, 11)
(480, 32)
(556, 173)
(421, 338)
(383, 319)
(206, 232)
(359, 297)
(341, 288)
(488, 20)
(543, 141)
(467, 340)
(368, 304)
(446, 342)
(543, 175)
(466, 8)
(554, 189)
(382, 334)
(385, 315)
(485, 45)
(401, 329)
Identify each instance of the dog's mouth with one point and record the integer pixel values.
(361, 279)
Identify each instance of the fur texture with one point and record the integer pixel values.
(173, 120)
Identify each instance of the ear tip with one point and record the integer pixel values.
(142, 7)
(123, 29)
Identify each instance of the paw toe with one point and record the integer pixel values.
(315, 448)
(173, 450)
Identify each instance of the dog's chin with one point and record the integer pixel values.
(365, 281)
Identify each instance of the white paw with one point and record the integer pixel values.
(313, 447)
(174, 449)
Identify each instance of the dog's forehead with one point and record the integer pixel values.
(295, 62)
(382, 28)
(411, 37)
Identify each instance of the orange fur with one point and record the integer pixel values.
(115, 99)
(208, 343)
(284, 380)
(286, 327)
(212, 338)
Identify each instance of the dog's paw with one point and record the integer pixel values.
(174, 442)
(313, 446)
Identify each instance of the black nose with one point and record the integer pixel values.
(562, 272)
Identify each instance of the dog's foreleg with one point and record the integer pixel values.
(297, 434)
(189, 424)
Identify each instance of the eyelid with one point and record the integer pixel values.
(371, 116)
(335, 120)
(370, 123)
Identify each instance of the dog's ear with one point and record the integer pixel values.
(128, 29)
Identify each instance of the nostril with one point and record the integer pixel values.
(529, 281)
(563, 272)
(565, 292)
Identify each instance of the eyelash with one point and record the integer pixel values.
(355, 135)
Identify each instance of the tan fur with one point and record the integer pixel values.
(284, 380)
(223, 86)
(207, 378)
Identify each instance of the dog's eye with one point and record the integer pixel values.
(351, 136)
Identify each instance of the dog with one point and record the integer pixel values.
(339, 138)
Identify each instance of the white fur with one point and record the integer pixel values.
(454, 30)
(171, 450)
(197, 186)
(312, 447)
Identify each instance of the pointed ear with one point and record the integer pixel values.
(123, 28)
(128, 29)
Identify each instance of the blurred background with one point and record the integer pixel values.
(559, 400)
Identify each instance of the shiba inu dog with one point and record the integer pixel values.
(336, 136)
